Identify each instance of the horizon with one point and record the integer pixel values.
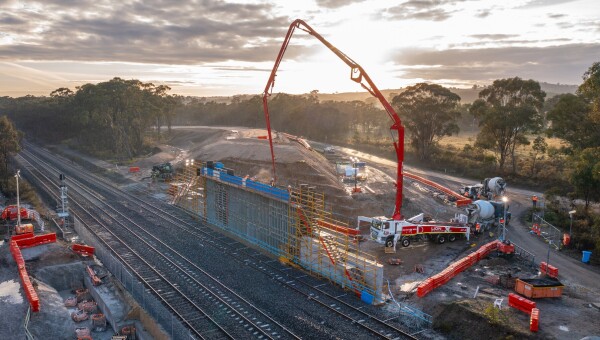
(45, 45)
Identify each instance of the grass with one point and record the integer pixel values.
(460, 140)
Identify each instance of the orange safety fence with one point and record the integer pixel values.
(460, 200)
(455, 268)
(82, 249)
(22, 236)
(36, 240)
(521, 303)
(25, 241)
(534, 320)
(549, 270)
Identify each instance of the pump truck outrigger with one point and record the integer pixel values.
(360, 76)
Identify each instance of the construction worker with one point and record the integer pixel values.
(534, 200)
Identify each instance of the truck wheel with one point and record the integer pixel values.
(452, 238)
(441, 239)
(389, 242)
(405, 241)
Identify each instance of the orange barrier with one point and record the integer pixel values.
(95, 279)
(455, 268)
(22, 236)
(460, 200)
(34, 301)
(83, 249)
(25, 241)
(520, 303)
(549, 270)
(263, 137)
(534, 320)
(339, 228)
(36, 240)
(134, 169)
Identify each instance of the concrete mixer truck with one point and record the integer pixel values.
(490, 189)
(483, 215)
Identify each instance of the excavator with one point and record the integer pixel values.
(398, 228)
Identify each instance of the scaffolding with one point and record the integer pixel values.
(291, 223)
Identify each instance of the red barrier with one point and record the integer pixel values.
(22, 236)
(36, 240)
(549, 270)
(520, 303)
(26, 241)
(83, 249)
(454, 269)
(460, 200)
(134, 169)
(534, 320)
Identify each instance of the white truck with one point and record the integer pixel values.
(484, 214)
(389, 231)
(490, 188)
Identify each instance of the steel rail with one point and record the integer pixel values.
(203, 234)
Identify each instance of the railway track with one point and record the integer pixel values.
(374, 322)
(204, 304)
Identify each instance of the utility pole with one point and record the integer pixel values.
(17, 176)
(571, 217)
(504, 199)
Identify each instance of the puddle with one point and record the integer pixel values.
(9, 292)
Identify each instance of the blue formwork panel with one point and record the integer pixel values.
(269, 190)
(366, 297)
(231, 179)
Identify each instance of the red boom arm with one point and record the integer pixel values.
(358, 75)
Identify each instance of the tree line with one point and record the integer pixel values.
(109, 118)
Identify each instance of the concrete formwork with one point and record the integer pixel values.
(287, 223)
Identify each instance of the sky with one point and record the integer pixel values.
(224, 48)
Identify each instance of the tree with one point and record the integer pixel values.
(571, 119)
(508, 110)
(9, 144)
(590, 89)
(428, 112)
(539, 148)
(585, 176)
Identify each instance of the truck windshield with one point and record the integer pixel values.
(376, 224)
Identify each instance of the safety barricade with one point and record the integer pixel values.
(134, 169)
(95, 279)
(549, 270)
(534, 320)
(26, 241)
(454, 269)
(520, 303)
(82, 249)
(36, 240)
(22, 236)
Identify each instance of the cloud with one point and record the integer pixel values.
(493, 36)
(336, 3)
(152, 31)
(566, 62)
(436, 10)
(483, 13)
(545, 3)
(556, 15)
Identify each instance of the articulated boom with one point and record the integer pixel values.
(358, 75)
